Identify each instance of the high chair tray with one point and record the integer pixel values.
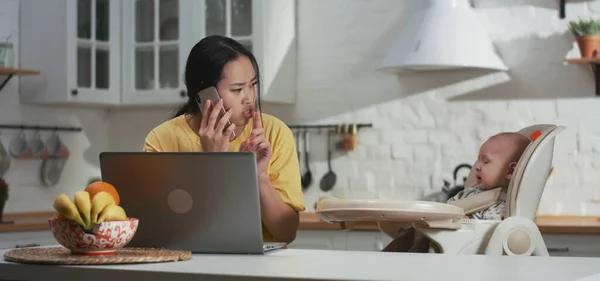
(342, 210)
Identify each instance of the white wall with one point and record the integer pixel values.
(423, 125)
(426, 125)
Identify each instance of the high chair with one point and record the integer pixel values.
(444, 223)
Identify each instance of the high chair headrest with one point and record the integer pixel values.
(529, 178)
(532, 132)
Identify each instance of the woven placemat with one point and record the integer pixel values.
(61, 255)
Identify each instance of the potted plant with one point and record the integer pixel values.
(3, 196)
(587, 34)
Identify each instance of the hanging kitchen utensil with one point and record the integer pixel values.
(307, 177)
(353, 137)
(346, 137)
(329, 179)
(339, 144)
(4, 159)
(51, 170)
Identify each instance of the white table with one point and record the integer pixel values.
(292, 264)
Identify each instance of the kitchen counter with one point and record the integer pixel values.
(547, 224)
(293, 264)
(26, 221)
(310, 221)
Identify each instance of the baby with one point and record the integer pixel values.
(497, 160)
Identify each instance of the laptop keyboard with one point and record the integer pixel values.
(273, 245)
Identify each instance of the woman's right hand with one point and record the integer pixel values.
(213, 136)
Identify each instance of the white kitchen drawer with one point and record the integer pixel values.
(573, 245)
(319, 240)
(366, 240)
(9, 240)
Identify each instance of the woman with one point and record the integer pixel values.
(228, 66)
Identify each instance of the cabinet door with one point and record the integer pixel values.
(155, 47)
(274, 40)
(9, 240)
(267, 29)
(573, 245)
(94, 51)
(366, 241)
(319, 240)
(230, 18)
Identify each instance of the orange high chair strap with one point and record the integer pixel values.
(480, 201)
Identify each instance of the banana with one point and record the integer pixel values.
(112, 213)
(67, 208)
(84, 205)
(99, 202)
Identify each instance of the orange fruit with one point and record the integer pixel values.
(61, 217)
(95, 187)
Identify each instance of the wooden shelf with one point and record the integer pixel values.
(18, 71)
(10, 72)
(595, 63)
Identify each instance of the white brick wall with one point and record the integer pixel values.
(420, 134)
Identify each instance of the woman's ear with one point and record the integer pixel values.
(511, 169)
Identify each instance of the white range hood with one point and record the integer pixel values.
(444, 35)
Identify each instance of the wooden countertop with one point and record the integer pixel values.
(309, 221)
(547, 224)
(26, 221)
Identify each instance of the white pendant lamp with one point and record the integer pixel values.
(444, 35)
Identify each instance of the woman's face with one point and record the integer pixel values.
(237, 88)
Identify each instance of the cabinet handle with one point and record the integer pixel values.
(74, 92)
(183, 93)
(27, 245)
(565, 249)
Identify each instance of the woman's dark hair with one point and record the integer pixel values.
(204, 67)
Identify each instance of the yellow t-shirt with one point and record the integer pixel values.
(175, 135)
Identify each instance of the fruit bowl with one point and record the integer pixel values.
(104, 239)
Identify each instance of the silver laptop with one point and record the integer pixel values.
(198, 202)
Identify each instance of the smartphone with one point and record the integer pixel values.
(211, 94)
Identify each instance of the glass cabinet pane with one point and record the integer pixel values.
(102, 20)
(169, 20)
(169, 67)
(84, 18)
(241, 17)
(144, 20)
(144, 68)
(102, 68)
(215, 17)
(247, 44)
(84, 67)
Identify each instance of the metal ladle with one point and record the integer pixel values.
(329, 179)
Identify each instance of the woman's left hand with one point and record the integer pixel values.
(258, 144)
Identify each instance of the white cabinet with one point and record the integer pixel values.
(366, 241)
(569, 245)
(274, 40)
(9, 240)
(573, 245)
(75, 45)
(157, 37)
(319, 240)
(340, 240)
(114, 53)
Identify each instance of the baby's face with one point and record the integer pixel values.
(492, 166)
